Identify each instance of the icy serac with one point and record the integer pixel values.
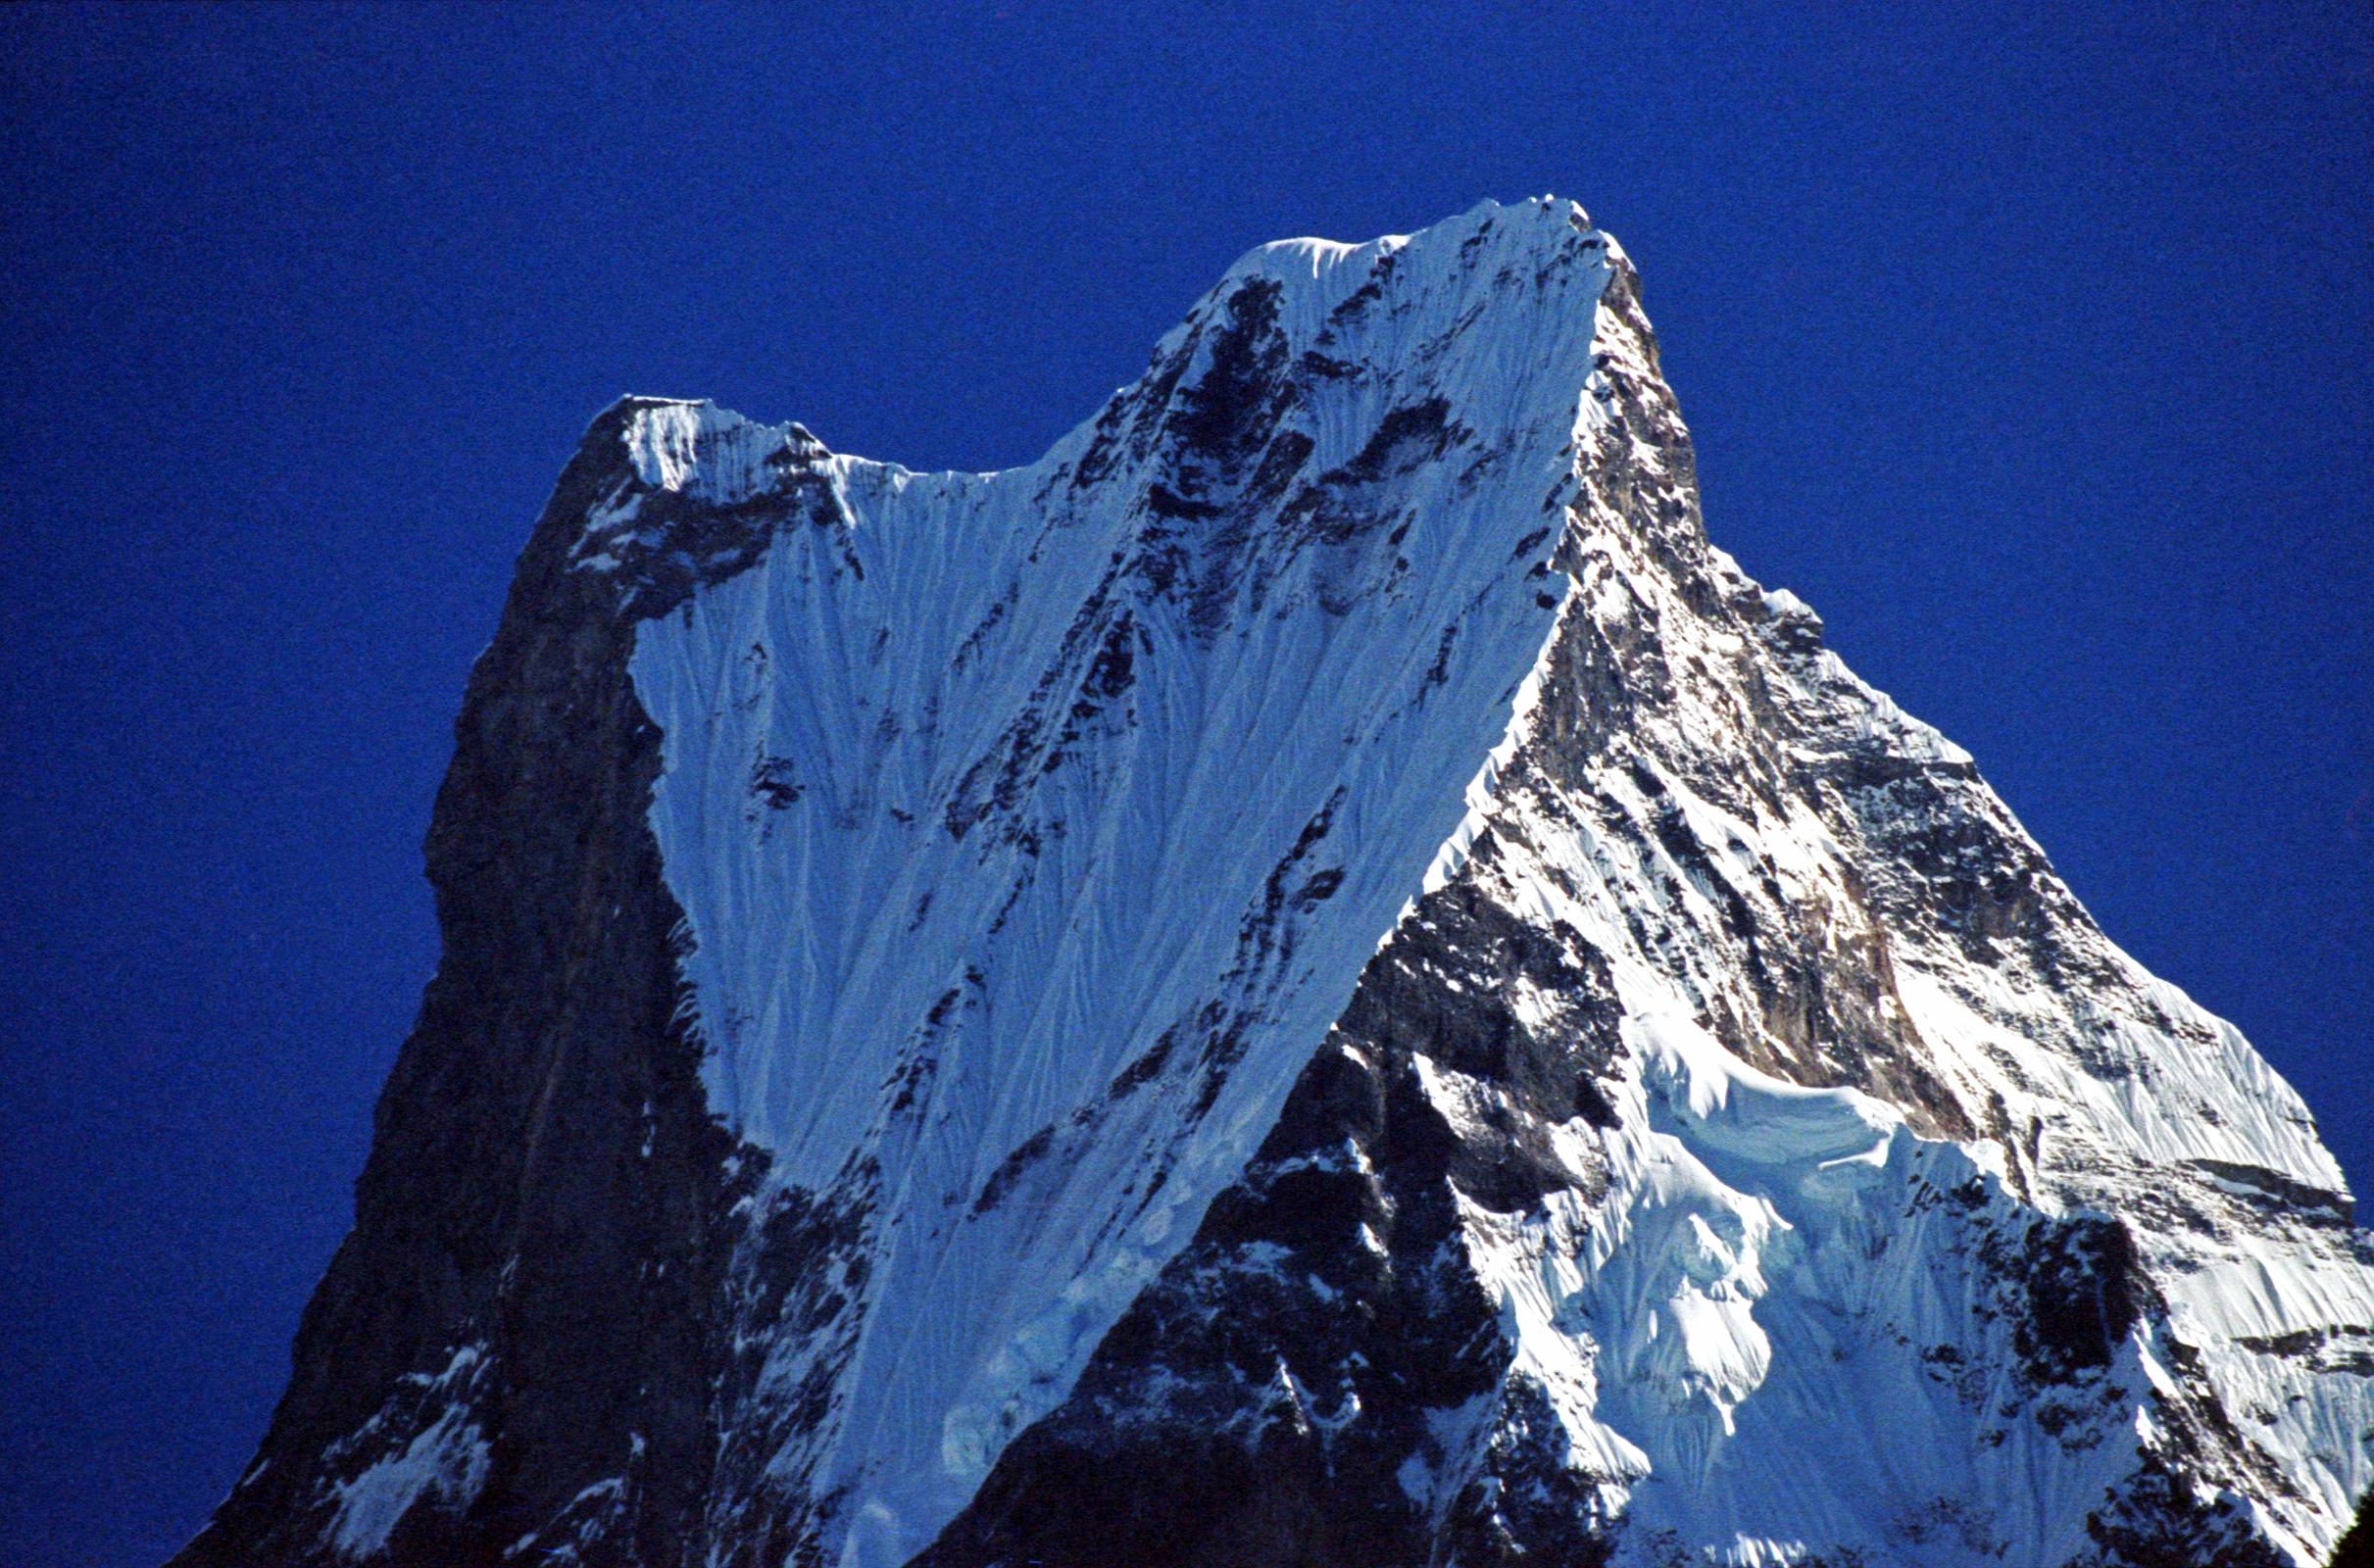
(1313, 978)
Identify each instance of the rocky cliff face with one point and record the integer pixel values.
(1313, 978)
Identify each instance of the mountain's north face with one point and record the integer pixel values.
(1313, 978)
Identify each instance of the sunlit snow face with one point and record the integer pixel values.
(1030, 831)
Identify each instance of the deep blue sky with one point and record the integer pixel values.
(2031, 348)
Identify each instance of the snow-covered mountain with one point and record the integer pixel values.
(1313, 978)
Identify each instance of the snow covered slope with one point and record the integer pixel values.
(1314, 977)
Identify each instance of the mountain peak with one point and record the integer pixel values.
(693, 447)
(1311, 977)
(1543, 222)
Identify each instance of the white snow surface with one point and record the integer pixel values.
(1339, 690)
(949, 1023)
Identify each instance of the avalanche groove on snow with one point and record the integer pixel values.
(1030, 842)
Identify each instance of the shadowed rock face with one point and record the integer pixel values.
(1258, 1402)
(540, 1251)
(2357, 1547)
(1315, 979)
